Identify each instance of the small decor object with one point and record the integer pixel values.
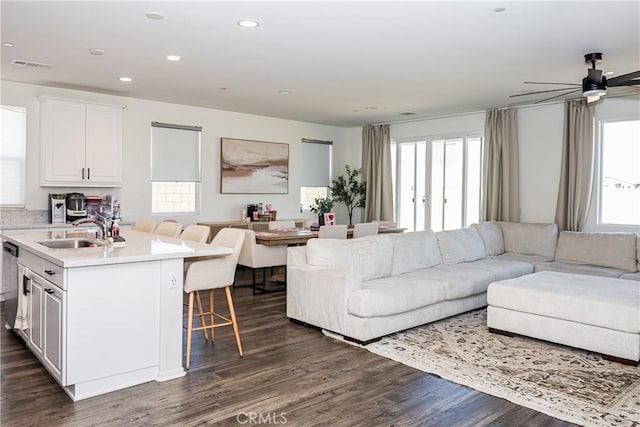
(329, 218)
(321, 205)
(254, 167)
(348, 189)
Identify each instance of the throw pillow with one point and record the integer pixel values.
(463, 245)
(491, 235)
(414, 251)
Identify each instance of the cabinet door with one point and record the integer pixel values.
(104, 144)
(52, 328)
(62, 134)
(35, 315)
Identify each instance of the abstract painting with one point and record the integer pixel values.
(254, 167)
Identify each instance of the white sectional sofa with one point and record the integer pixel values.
(366, 288)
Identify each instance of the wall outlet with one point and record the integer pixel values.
(174, 282)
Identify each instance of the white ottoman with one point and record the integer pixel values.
(593, 313)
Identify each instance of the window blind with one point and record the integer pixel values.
(175, 152)
(316, 156)
(12, 156)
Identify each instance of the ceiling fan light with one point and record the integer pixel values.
(594, 92)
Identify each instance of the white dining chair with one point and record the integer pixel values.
(332, 232)
(365, 229)
(209, 275)
(196, 233)
(169, 229)
(146, 225)
(284, 224)
(385, 223)
(256, 256)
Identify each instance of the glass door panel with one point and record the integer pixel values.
(437, 185)
(406, 186)
(453, 174)
(474, 180)
(420, 193)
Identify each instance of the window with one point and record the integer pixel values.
(619, 186)
(316, 175)
(438, 183)
(12, 156)
(175, 168)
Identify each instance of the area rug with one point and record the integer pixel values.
(565, 383)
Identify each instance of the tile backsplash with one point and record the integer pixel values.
(18, 217)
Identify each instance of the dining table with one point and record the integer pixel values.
(299, 236)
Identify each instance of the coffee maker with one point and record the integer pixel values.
(75, 206)
(57, 208)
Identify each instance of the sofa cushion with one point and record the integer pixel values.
(631, 276)
(463, 245)
(529, 259)
(530, 238)
(501, 268)
(414, 251)
(393, 295)
(460, 281)
(491, 235)
(614, 250)
(599, 301)
(573, 268)
(370, 256)
(638, 252)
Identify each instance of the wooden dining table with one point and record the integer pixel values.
(299, 236)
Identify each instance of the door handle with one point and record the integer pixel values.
(50, 272)
(49, 291)
(25, 288)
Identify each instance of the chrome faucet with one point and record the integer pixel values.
(102, 222)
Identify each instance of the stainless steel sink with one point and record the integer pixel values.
(71, 243)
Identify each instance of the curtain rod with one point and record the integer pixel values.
(484, 111)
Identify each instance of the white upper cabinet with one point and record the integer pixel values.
(81, 144)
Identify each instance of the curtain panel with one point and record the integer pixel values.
(376, 172)
(576, 173)
(500, 180)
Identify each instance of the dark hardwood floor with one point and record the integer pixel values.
(290, 374)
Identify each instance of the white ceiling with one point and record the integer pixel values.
(337, 58)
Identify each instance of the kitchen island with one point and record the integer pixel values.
(104, 318)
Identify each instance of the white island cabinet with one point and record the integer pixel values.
(105, 318)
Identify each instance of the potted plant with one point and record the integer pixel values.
(321, 206)
(348, 189)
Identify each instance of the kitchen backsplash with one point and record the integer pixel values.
(15, 217)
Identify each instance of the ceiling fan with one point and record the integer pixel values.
(593, 86)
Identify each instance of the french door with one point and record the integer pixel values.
(438, 183)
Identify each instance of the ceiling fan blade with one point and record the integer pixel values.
(552, 83)
(557, 96)
(623, 77)
(627, 83)
(540, 91)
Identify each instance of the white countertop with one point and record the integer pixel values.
(139, 247)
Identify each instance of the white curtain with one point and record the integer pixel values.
(500, 180)
(576, 172)
(376, 172)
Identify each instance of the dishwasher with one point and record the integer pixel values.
(10, 282)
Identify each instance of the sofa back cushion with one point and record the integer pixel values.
(530, 238)
(614, 250)
(369, 256)
(414, 251)
(463, 245)
(491, 235)
(638, 251)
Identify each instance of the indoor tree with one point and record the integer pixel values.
(350, 190)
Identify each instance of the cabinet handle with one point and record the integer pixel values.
(49, 291)
(82, 173)
(50, 272)
(88, 174)
(25, 288)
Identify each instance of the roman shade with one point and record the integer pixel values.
(175, 153)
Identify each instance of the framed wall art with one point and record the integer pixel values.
(253, 167)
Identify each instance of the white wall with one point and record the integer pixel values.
(135, 193)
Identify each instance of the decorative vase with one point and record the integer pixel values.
(320, 219)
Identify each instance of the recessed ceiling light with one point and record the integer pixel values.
(370, 108)
(499, 9)
(408, 113)
(96, 52)
(154, 15)
(126, 79)
(173, 58)
(608, 73)
(285, 92)
(7, 44)
(223, 88)
(248, 23)
(355, 111)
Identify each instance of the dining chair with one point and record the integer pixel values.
(276, 225)
(213, 274)
(169, 228)
(196, 233)
(332, 232)
(365, 229)
(256, 256)
(385, 223)
(146, 225)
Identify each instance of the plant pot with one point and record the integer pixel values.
(320, 219)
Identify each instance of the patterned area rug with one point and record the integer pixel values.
(566, 383)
